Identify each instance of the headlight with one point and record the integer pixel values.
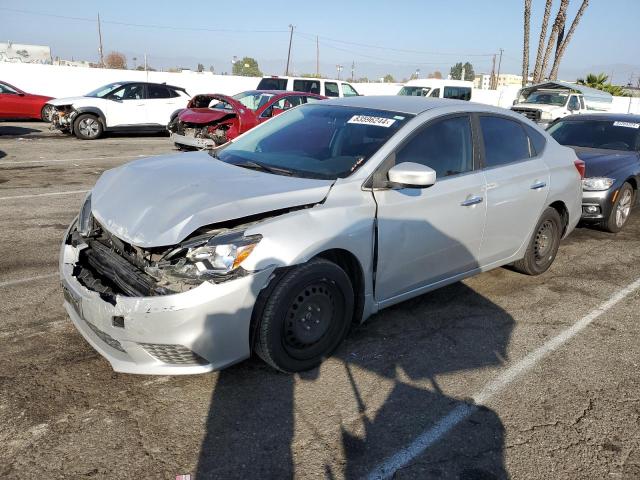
(594, 184)
(84, 217)
(546, 116)
(215, 257)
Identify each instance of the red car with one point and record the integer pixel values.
(14, 103)
(213, 119)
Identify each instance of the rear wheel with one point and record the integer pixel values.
(87, 127)
(46, 114)
(620, 210)
(543, 245)
(305, 316)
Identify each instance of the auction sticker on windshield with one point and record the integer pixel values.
(626, 124)
(366, 120)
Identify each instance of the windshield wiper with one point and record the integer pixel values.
(264, 168)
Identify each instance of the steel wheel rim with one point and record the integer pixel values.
(623, 208)
(89, 127)
(544, 241)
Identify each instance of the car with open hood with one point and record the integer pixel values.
(119, 107)
(282, 239)
(16, 103)
(609, 146)
(212, 119)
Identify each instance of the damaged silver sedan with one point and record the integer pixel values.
(279, 241)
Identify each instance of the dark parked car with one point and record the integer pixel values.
(15, 103)
(609, 145)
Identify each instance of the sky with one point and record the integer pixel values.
(380, 37)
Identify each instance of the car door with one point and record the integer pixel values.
(126, 106)
(431, 234)
(276, 107)
(10, 102)
(160, 104)
(517, 186)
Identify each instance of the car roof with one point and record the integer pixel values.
(614, 117)
(396, 103)
(127, 82)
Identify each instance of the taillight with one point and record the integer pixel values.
(579, 166)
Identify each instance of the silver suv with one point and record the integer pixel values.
(281, 240)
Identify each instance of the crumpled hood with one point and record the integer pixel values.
(159, 201)
(68, 100)
(203, 115)
(601, 162)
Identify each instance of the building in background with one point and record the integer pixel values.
(23, 53)
(483, 80)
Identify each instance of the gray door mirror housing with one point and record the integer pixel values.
(411, 175)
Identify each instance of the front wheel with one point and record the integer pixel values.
(46, 114)
(87, 127)
(620, 210)
(543, 246)
(305, 316)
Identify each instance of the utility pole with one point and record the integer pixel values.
(499, 65)
(339, 69)
(353, 70)
(289, 54)
(317, 57)
(100, 42)
(492, 81)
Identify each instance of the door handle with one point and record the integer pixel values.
(471, 201)
(538, 185)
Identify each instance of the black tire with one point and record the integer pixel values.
(305, 316)
(620, 209)
(87, 127)
(46, 114)
(543, 246)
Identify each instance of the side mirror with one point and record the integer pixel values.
(20, 94)
(412, 175)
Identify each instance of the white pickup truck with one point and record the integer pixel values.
(545, 102)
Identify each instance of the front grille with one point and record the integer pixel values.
(530, 113)
(106, 338)
(175, 354)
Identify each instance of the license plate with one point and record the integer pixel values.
(75, 301)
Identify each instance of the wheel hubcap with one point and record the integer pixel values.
(309, 316)
(89, 127)
(544, 241)
(623, 208)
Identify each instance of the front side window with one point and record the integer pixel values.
(457, 93)
(604, 134)
(445, 146)
(308, 86)
(573, 103)
(348, 91)
(331, 89)
(131, 91)
(505, 141)
(414, 91)
(337, 141)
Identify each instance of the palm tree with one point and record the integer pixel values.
(525, 46)
(543, 37)
(594, 80)
(567, 39)
(557, 25)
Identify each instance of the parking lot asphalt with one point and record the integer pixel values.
(499, 376)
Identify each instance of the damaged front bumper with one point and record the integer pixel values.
(203, 329)
(200, 143)
(62, 118)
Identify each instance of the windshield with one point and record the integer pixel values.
(604, 134)
(253, 100)
(315, 141)
(547, 98)
(414, 91)
(104, 90)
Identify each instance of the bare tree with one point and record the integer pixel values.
(525, 46)
(557, 25)
(115, 60)
(567, 39)
(541, 42)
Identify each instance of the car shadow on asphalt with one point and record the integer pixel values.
(414, 346)
(14, 131)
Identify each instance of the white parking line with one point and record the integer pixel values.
(51, 194)
(429, 437)
(62, 160)
(18, 281)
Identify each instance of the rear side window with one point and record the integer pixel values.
(308, 86)
(445, 146)
(174, 93)
(158, 91)
(457, 93)
(331, 89)
(537, 140)
(272, 84)
(504, 141)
